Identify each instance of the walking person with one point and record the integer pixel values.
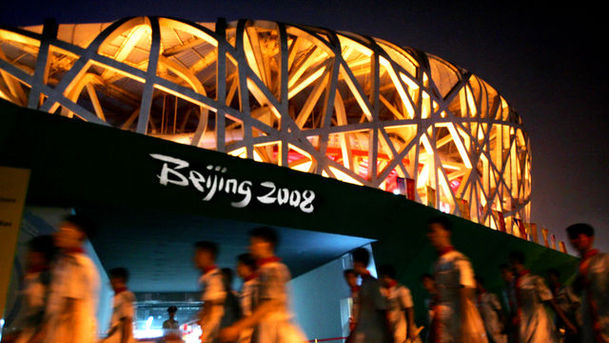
(593, 282)
(508, 298)
(399, 304)
(371, 323)
(456, 318)
(40, 255)
(213, 290)
(271, 319)
(534, 322)
(70, 315)
(123, 311)
(351, 280)
(491, 313)
(568, 303)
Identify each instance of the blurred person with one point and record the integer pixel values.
(399, 305)
(39, 257)
(371, 323)
(232, 308)
(246, 269)
(351, 280)
(491, 313)
(271, 318)
(592, 282)
(70, 314)
(456, 318)
(429, 286)
(568, 303)
(508, 295)
(214, 290)
(123, 311)
(534, 322)
(171, 327)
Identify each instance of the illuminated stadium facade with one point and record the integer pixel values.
(338, 104)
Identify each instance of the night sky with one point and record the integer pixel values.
(549, 62)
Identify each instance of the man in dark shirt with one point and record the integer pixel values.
(372, 325)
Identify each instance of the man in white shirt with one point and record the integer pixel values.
(532, 294)
(123, 311)
(371, 323)
(214, 293)
(72, 306)
(271, 319)
(593, 282)
(456, 318)
(399, 305)
(41, 251)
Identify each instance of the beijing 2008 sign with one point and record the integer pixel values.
(213, 180)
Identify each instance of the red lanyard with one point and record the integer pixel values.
(263, 261)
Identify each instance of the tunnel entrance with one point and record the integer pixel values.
(157, 248)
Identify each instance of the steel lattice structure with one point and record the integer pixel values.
(342, 105)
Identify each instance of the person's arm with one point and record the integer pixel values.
(407, 306)
(112, 331)
(570, 326)
(213, 296)
(410, 327)
(273, 292)
(467, 292)
(232, 332)
(204, 313)
(546, 296)
(126, 327)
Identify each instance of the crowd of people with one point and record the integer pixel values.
(61, 295)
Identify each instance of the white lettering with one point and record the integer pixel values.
(197, 179)
(165, 171)
(283, 195)
(307, 205)
(212, 182)
(295, 198)
(245, 188)
(268, 198)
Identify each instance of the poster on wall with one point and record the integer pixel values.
(13, 188)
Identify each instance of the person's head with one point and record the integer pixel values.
(263, 241)
(553, 276)
(118, 278)
(428, 283)
(73, 231)
(171, 310)
(439, 230)
(581, 236)
(227, 278)
(350, 277)
(41, 251)
(361, 259)
(507, 274)
(387, 274)
(205, 254)
(246, 265)
(517, 260)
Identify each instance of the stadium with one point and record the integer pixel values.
(206, 130)
(337, 104)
